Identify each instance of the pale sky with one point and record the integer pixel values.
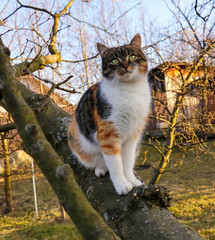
(156, 9)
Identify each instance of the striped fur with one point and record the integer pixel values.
(107, 124)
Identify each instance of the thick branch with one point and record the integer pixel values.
(55, 57)
(7, 127)
(36, 64)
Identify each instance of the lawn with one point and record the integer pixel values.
(190, 178)
(22, 223)
(191, 181)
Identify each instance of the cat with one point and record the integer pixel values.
(108, 122)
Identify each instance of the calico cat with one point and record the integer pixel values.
(109, 119)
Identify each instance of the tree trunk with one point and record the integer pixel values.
(7, 178)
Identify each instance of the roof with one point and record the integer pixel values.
(40, 88)
(157, 75)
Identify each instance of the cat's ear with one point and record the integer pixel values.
(102, 49)
(136, 41)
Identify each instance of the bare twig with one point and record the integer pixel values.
(57, 86)
(35, 8)
(155, 147)
(12, 13)
(6, 32)
(89, 24)
(123, 15)
(82, 60)
(50, 92)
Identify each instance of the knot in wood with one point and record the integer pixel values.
(63, 171)
(30, 128)
(157, 195)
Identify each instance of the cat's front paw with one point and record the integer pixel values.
(135, 182)
(123, 188)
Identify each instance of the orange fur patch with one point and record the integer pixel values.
(143, 67)
(107, 136)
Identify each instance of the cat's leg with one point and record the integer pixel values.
(115, 168)
(100, 168)
(110, 145)
(129, 158)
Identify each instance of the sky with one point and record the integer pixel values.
(155, 9)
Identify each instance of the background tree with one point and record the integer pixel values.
(7, 177)
(191, 63)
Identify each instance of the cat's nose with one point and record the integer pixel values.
(125, 65)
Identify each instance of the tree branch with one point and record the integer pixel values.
(35, 8)
(7, 127)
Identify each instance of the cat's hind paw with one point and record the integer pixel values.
(124, 188)
(99, 172)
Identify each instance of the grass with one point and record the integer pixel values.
(191, 184)
(21, 223)
(190, 177)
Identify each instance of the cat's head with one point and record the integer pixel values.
(124, 63)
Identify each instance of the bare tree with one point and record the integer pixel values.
(7, 177)
(191, 73)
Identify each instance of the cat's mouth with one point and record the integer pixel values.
(125, 72)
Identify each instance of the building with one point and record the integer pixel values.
(169, 79)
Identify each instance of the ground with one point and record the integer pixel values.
(190, 180)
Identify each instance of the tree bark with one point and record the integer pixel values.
(138, 215)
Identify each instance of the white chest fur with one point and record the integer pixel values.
(130, 104)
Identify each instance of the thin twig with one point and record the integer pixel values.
(123, 15)
(50, 92)
(7, 127)
(6, 32)
(35, 8)
(155, 147)
(12, 13)
(82, 60)
(89, 24)
(50, 82)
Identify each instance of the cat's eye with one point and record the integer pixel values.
(132, 58)
(115, 61)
